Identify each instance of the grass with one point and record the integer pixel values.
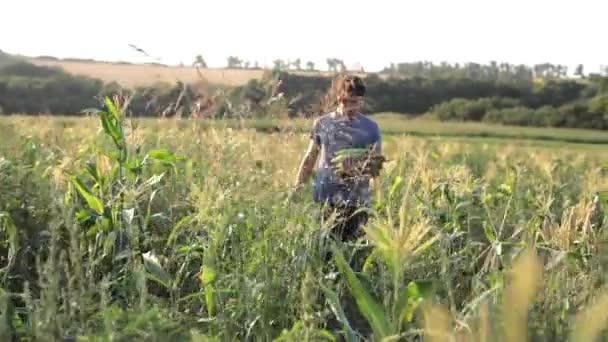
(170, 230)
(394, 123)
(397, 125)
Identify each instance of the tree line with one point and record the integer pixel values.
(495, 71)
(499, 93)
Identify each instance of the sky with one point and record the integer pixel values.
(371, 33)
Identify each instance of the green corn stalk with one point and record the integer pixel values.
(384, 321)
(208, 276)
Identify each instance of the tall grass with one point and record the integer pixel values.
(119, 230)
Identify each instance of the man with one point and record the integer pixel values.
(345, 127)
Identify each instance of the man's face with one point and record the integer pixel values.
(352, 105)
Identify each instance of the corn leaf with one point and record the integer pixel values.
(91, 167)
(163, 155)
(110, 128)
(109, 243)
(210, 299)
(208, 276)
(370, 308)
(411, 299)
(334, 304)
(7, 224)
(93, 201)
(398, 180)
(155, 271)
(112, 109)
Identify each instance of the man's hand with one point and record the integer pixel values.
(308, 162)
(350, 165)
(294, 192)
(297, 188)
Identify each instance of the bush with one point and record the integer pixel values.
(578, 115)
(470, 110)
(554, 93)
(574, 115)
(519, 116)
(30, 89)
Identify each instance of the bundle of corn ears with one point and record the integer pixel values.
(363, 163)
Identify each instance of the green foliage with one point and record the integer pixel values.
(460, 109)
(579, 114)
(196, 241)
(512, 94)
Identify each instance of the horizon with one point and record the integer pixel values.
(468, 31)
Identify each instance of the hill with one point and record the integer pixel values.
(6, 59)
(132, 75)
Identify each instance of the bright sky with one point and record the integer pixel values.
(373, 33)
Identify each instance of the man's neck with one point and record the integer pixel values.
(341, 114)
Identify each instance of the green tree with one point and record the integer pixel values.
(297, 64)
(234, 62)
(199, 61)
(279, 64)
(579, 71)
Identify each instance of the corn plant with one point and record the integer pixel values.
(118, 197)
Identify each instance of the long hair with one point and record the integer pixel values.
(342, 85)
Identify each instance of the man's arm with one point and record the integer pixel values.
(308, 163)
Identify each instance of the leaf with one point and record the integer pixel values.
(11, 230)
(603, 196)
(369, 307)
(152, 181)
(155, 270)
(369, 261)
(109, 243)
(112, 109)
(177, 229)
(336, 308)
(411, 299)
(135, 165)
(93, 202)
(398, 180)
(489, 232)
(83, 216)
(193, 248)
(110, 128)
(462, 205)
(210, 299)
(128, 215)
(402, 311)
(92, 169)
(426, 288)
(163, 155)
(208, 275)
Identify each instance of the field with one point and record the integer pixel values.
(131, 75)
(181, 230)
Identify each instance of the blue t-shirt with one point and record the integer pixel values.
(334, 132)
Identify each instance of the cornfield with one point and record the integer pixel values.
(116, 229)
